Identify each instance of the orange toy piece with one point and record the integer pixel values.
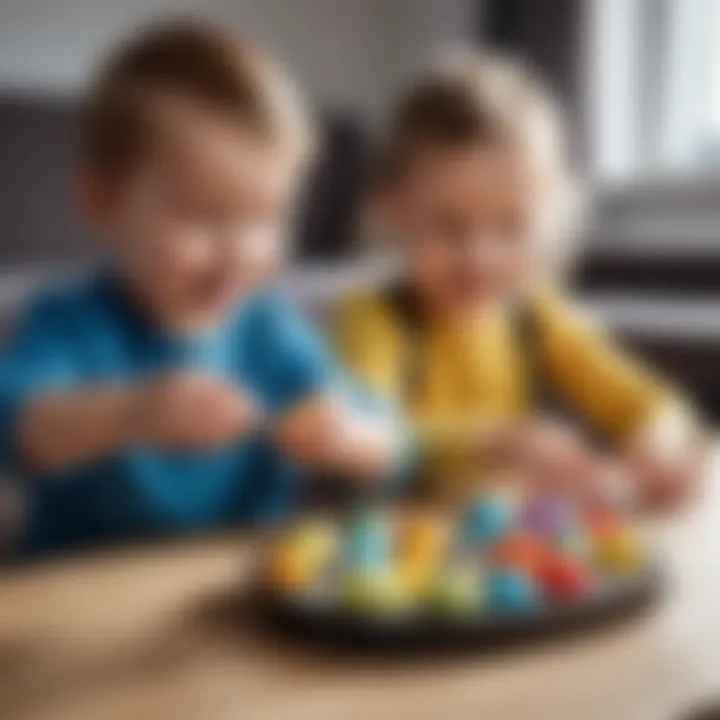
(619, 552)
(424, 538)
(424, 541)
(602, 525)
(523, 551)
(299, 556)
(290, 570)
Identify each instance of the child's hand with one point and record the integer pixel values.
(665, 459)
(191, 410)
(548, 453)
(312, 431)
(321, 434)
(661, 485)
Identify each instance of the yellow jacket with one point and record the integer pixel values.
(476, 374)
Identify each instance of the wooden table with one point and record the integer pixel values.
(153, 634)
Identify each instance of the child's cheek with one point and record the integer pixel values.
(258, 254)
(178, 258)
(191, 252)
(506, 267)
(432, 269)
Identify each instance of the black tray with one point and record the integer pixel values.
(491, 631)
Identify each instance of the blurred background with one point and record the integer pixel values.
(640, 79)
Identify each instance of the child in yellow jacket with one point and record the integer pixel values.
(474, 335)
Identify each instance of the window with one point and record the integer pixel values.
(654, 89)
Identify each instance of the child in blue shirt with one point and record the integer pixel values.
(173, 391)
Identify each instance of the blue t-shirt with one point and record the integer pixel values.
(90, 332)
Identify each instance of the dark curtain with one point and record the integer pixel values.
(549, 35)
(329, 211)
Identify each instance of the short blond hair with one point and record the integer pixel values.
(193, 61)
(473, 97)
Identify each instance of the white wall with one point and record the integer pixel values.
(348, 52)
(51, 43)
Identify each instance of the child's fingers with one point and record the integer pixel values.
(666, 481)
(207, 413)
(317, 450)
(666, 488)
(308, 437)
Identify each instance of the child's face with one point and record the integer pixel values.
(199, 223)
(466, 220)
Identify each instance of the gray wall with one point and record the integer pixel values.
(345, 52)
(412, 31)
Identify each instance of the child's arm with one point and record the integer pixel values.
(650, 423)
(59, 429)
(325, 419)
(371, 345)
(51, 418)
(666, 455)
(321, 433)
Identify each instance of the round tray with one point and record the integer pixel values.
(485, 632)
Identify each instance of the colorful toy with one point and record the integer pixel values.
(522, 551)
(298, 560)
(459, 591)
(565, 579)
(416, 574)
(601, 525)
(288, 571)
(512, 591)
(547, 515)
(575, 542)
(422, 544)
(619, 552)
(377, 592)
(424, 536)
(489, 517)
(317, 540)
(367, 541)
(528, 559)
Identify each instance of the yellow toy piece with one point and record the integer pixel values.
(317, 541)
(619, 552)
(416, 575)
(458, 591)
(424, 538)
(290, 571)
(424, 543)
(301, 556)
(379, 592)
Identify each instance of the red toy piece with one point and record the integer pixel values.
(566, 579)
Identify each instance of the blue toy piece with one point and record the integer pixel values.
(367, 542)
(511, 591)
(487, 519)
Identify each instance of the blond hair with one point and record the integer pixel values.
(475, 97)
(193, 61)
